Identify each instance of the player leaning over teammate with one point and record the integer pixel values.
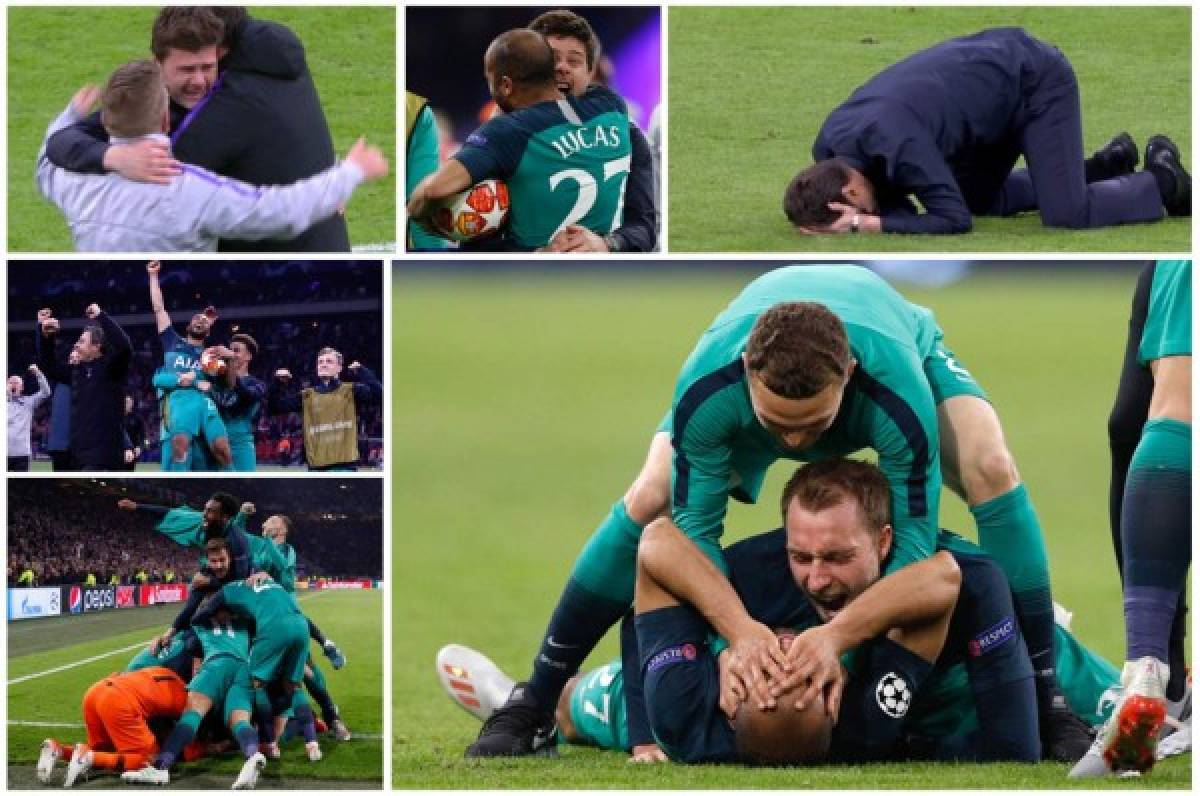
(808, 363)
(329, 409)
(1151, 521)
(189, 415)
(978, 702)
(565, 158)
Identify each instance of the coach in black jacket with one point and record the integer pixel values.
(947, 125)
(262, 123)
(97, 387)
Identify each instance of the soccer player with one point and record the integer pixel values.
(259, 120)
(96, 370)
(239, 398)
(947, 126)
(276, 528)
(809, 363)
(1151, 519)
(20, 418)
(188, 411)
(329, 409)
(576, 50)
(116, 712)
(565, 159)
(222, 682)
(110, 213)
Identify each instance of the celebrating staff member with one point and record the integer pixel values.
(329, 409)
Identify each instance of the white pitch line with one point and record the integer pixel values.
(76, 664)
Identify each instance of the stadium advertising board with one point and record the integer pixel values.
(126, 596)
(342, 584)
(158, 593)
(34, 603)
(85, 599)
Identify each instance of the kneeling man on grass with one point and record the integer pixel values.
(946, 127)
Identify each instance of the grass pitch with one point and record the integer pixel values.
(352, 618)
(750, 88)
(53, 51)
(530, 401)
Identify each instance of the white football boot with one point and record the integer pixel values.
(1126, 744)
(47, 759)
(247, 778)
(79, 765)
(340, 730)
(313, 750)
(474, 683)
(148, 775)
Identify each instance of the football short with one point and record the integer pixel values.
(114, 721)
(1168, 330)
(682, 687)
(191, 412)
(280, 651)
(226, 681)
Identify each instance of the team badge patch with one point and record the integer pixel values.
(893, 695)
(683, 653)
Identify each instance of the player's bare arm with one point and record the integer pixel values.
(162, 318)
(450, 178)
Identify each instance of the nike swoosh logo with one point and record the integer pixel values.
(551, 642)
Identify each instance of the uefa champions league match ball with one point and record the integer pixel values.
(212, 364)
(476, 213)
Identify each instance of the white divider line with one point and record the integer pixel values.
(76, 664)
(364, 736)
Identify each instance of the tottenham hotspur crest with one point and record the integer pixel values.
(893, 695)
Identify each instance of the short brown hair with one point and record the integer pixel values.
(189, 28)
(806, 200)
(797, 349)
(232, 17)
(825, 484)
(331, 350)
(569, 24)
(135, 100)
(246, 340)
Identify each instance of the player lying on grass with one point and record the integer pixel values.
(822, 572)
(947, 125)
(328, 409)
(243, 105)
(117, 712)
(565, 158)
(1151, 516)
(808, 363)
(185, 390)
(110, 213)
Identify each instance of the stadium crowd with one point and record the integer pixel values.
(287, 338)
(63, 531)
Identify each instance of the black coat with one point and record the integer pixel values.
(262, 124)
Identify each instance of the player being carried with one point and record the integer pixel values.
(188, 413)
(329, 409)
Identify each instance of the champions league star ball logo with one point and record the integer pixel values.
(893, 695)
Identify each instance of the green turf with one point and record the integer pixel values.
(750, 87)
(352, 618)
(528, 409)
(53, 51)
